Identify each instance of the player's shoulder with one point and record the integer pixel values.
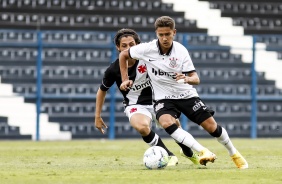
(141, 62)
(113, 66)
(152, 43)
(144, 47)
(178, 45)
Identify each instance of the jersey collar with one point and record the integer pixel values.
(160, 50)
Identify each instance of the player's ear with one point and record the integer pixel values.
(117, 48)
(174, 32)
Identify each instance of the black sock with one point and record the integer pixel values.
(158, 141)
(148, 138)
(217, 132)
(186, 150)
(171, 128)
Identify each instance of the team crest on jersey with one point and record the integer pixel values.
(159, 106)
(133, 110)
(173, 63)
(142, 68)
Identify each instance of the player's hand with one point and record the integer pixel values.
(99, 124)
(126, 85)
(180, 78)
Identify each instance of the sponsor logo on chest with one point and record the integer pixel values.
(140, 85)
(163, 73)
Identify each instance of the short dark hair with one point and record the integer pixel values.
(164, 21)
(124, 33)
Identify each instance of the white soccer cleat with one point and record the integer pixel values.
(239, 161)
(206, 156)
(173, 161)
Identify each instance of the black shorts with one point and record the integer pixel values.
(192, 108)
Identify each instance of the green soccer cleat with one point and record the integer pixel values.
(239, 161)
(206, 156)
(194, 158)
(173, 161)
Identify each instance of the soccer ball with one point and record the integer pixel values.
(155, 157)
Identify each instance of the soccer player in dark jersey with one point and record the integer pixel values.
(173, 75)
(138, 100)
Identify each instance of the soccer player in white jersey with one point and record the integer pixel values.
(138, 101)
(173, 75)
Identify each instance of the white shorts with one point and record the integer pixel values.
(147, 110)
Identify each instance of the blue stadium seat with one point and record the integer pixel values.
(243, 90)
(263, 108)
(221, 109)
(115, 4)
(6, 17)
(123, 21)
(213, 90)
(73, 109)
(93, 20)
(66, 127)
(50, 90)
(228, 90)
(66, 90)
(278, 108)
(143, 5)
(56, 3)
(100, 4)
(57, 109)
(137, 20)
(34, 19)
(236, 108)
(202, 40)
(89, 109)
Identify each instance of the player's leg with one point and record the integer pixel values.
(184, 151)
(222, 137)
(140, 119)
(142, 124)
(203, 116)
(166, 113)
(184, 138)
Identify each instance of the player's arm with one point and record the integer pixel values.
(191, 78)
(123, 57)
(100, 99)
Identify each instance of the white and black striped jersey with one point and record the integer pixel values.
(140, 92)
(162, 68)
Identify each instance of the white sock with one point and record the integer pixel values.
(226, 142)
(187, 139)
(155, 140)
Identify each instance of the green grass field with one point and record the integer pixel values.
(120, 161)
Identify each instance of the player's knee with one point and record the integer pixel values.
(209, 125)
(141, 126)
(166, 121)
(143, 129)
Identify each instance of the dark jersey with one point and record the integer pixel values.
(140, 92)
